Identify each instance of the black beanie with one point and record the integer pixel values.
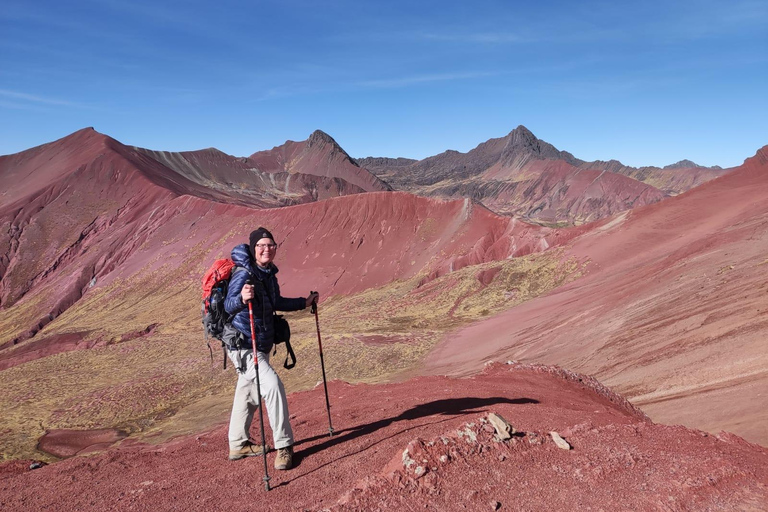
(258, 235)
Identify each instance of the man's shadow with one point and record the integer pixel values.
(447, 407)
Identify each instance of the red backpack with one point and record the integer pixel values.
(215, 284)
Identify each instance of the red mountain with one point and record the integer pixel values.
(319, 155)
(75, 209)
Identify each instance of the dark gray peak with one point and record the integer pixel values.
(522, 141)
(522, 136)
(382, 161)
(602, 165)
(320, 137)
(682, 164)
(568, 157)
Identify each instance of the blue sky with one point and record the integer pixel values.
(647, 83)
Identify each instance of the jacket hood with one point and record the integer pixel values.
(241, 255)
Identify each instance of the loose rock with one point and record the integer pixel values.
(503, 429)
(559, 441)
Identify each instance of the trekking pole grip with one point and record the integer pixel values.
(314, 304)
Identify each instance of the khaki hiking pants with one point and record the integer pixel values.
(246, 401)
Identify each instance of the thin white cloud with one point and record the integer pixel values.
(391, 83)
(477, 37)
(285, 91)
(35, 99)
(25, 100)
(22, 106)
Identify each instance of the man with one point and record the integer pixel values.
(257, 282)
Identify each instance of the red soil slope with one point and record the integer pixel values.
(399, 450)
(673, 312)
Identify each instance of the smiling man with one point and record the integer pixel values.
(255, 279)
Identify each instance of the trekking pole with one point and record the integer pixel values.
(261, 398)
(322, 365)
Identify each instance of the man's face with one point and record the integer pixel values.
(264, 251)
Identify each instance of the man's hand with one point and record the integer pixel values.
(313, 298)
(247, 293)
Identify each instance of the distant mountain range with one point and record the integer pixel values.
(524, 176)
(517, 175)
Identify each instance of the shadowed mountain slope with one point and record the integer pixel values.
(527, 177)
(421, 444)
(671, 312)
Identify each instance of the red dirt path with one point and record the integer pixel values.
(618, 458)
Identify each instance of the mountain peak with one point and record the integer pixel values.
(522, 133)
(320, 137)
(682, 164)
(522, 140)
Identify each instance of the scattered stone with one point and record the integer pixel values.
(495, 505)
(407, 460)
(559, 441)
(470, 435)
(503, 429)
(419, 471)
(533, 439)
(36, 465)
(443, 458)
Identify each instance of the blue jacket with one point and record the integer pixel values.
(263, 319)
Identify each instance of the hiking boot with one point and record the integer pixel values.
(284, 459)
(247, 450)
